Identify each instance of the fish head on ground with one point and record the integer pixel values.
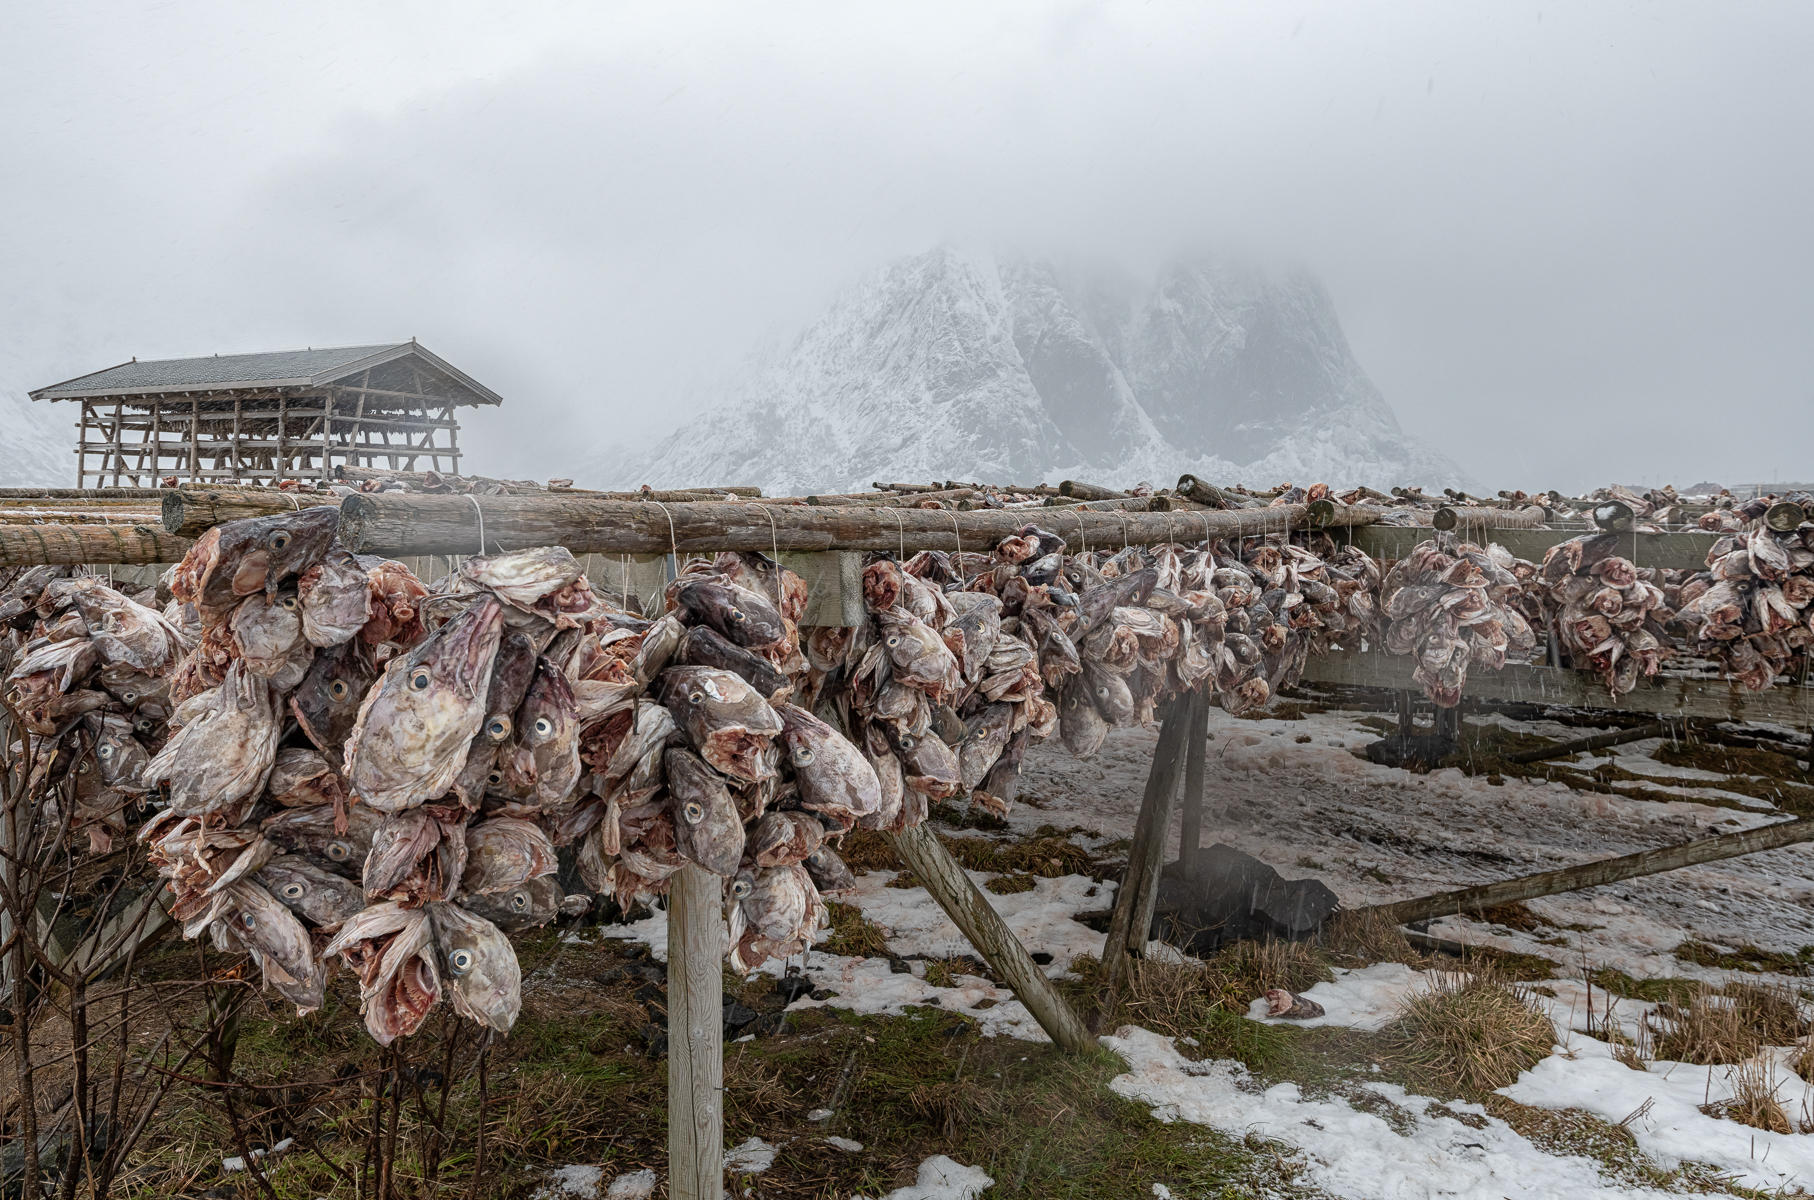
(413, 731)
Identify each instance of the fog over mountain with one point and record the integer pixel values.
(962, 365)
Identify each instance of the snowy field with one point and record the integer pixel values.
(1295, 793)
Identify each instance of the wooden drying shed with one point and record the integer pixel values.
(260, 418)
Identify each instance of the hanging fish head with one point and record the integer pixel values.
(541, 764)
(744, 617)
(480, 967)
(836, 780)
(708, 830)
(728, 723)
(310, 890)
(413, 731)
(326, 702)
(392, 950)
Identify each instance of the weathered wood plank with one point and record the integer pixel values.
(190, 510)
(696, 946)
(1667, 695)
(1593, 874)
(73, 545)
(1683, 549)
(1152, 828)
(394, 523)
(970, 910)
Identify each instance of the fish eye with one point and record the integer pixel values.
(494, 778)
(288, 602)
(144, 725)
(893, 640)
(1103, 692)
(338, 689)
(740, 888)
(280, 539)
(803, 756)
(104, 751)
(129, 696)
(693, 811)
(248, 920)
(498, 728)
(543, 726)
(291, 891)
(460, 961)
(907, 741)
(339, 851)
(82, 769)
(14, 696)
(420, 678)
(519, 901)
(737, 615)
(696, 696)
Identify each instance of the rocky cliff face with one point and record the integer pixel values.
(956, 366)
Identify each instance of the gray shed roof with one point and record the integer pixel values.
(280, 368)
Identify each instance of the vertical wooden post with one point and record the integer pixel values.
(972, 913)
(195, 430)
(1406, 726)
(82, 427)
(157, 442)
(118, 450)
(239, 472)
(282, 465)
(696, 938)
(1191, 839)
(327, 434)
(1151, 831)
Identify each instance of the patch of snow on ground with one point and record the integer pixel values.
(751, 1158)
(636, 1185)
(1042, 918)
(1352, 1153)
(576, 1180)
(942, 1178)
(1367, 998)
(871, 985)
(1375, 833)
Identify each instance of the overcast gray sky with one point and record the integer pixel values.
(1570, 242)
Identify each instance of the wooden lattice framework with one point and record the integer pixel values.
(397, 414)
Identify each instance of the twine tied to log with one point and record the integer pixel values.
(475, 507)
(899, 529)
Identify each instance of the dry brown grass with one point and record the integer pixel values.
(1728, 1026)
(866, 850)
(1365, 936)
(853, 934)
(1753, 1100)
(1474, 1031)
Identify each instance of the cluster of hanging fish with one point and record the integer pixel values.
(1752, 609)
(964, 659)
(87, 688)
(1453, 604)
(1609, 616)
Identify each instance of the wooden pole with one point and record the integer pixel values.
(1598, 741)
(189, 511)
(74, 545)
(1593, 874)
(399, 524)
(1467, 518)
(696, 945)
(970, 910)
(1151, 831)
(1088, 491)
(1190, 840)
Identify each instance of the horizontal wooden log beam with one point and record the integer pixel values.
(1468, 519)
(1685, 549)
(1665, 695)
(189, 511)
(104, 495)
(396, 523)
(1089, 491)
(74, 545)
(1594, 874)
